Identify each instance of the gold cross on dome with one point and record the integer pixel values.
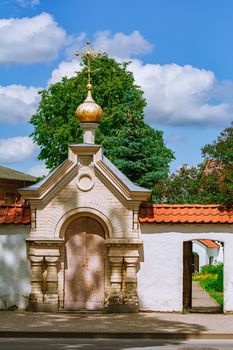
(89, 53)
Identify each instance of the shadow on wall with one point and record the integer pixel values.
(15, 272)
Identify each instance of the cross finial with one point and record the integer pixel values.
(89, 53)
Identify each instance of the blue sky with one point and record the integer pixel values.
(181, 53)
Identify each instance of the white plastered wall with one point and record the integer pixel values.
(205, 253)
(160, 275)
(201, 250)
(15, 275)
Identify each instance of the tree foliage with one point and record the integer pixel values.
(209, 183)
(182, 186)
(134, 147)
(218, 184)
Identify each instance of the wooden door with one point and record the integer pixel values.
(84, 269)
(187, 275)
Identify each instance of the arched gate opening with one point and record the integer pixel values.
(203, 279)
(84, 265)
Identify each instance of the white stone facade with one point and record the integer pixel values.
(86, 185)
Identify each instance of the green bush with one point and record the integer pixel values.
(213, 269)
(219, 281)
(214, 280)
(211, 279)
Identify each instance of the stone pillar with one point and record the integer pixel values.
(51, 295)
(36, 295)
(51, 286)
(89, 130)
(130, 290)
(116, 296)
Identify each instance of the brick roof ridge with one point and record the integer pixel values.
(166, 205)
(15, 213)
(15, 205)
(12, 174)
(209, 243)
(184, 213)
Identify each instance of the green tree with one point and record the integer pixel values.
(217, 185)
(209, 183)
(134, 147)
(181, 187)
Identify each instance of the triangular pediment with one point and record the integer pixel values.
(81, 156)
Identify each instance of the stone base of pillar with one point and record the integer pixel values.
(119, 303)
(43, 303)
(51, 298)
(42, 307)
(35, 298)
(131, 298)
(122, 308)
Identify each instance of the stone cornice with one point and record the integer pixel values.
(130, 195)
(126, 195)
(41, 196)
(123, 241)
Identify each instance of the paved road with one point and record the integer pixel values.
(112, 344)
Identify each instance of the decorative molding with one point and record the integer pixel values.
(85, 181)
(71, 215)
(41, 196)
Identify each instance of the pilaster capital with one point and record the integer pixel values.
(41, 250)
(131, 260)
(51, 259)
(36, 259)
(115, 260)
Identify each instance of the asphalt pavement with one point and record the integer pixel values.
(103, 325)
(112, 344)
(142, 325)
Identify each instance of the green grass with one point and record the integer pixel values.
(211, 279)
(216, 295)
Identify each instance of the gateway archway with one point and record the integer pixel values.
(194, 299)
(85, 254)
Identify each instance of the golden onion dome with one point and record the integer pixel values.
(89, 111)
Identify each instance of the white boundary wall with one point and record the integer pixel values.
(160, 276)
(15, 272)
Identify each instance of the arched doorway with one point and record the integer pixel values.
(84, 265)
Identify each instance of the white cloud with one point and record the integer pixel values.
(223, 90)
(25, 3)
(16, 149)
(115, 45)
(118, 45)
(180, 95)
(122, 45)
(30, 40)
(18, 103)
(67, 69)
(174, 138)
(176, 95)
(38, 170)
(75, 43)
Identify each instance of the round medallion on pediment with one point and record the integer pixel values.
(85, 182)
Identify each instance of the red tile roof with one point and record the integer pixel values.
(15, 214)
(184, 213)
(209, 244)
